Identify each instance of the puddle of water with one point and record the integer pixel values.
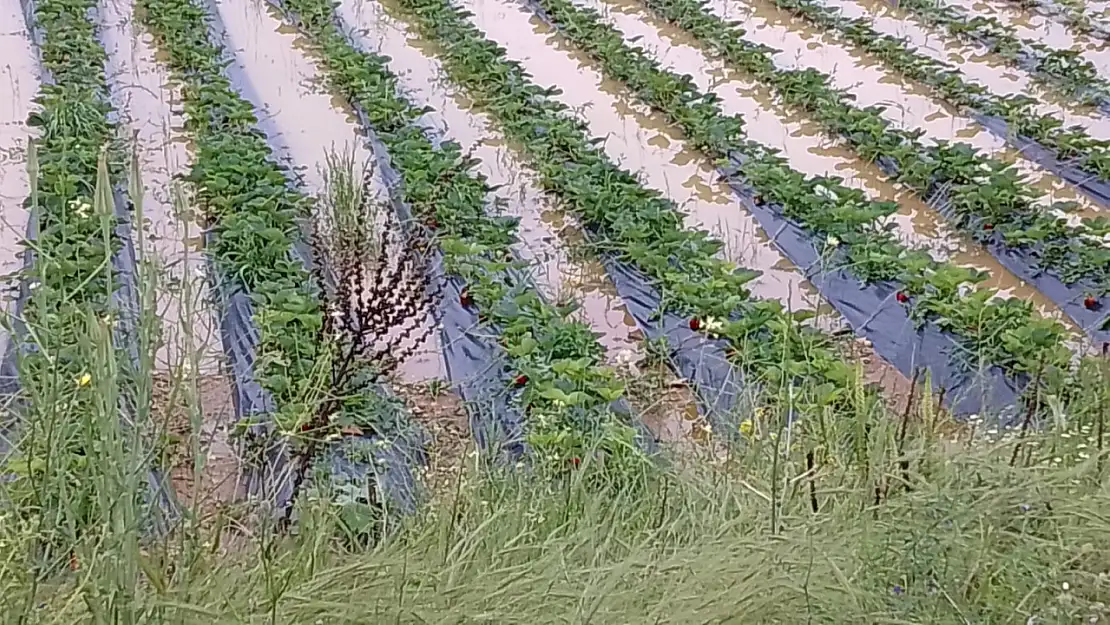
(144, 99)
(917, 224)
(906, 105)
(974, 62)
(546, 234)
(299, 117)
(19, 77)
(643, 143)
(1033, 26)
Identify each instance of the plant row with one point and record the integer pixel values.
(1004, 332)
(252, 213)
(1071, 145)
(979, 194)
(799, 367)
(1072, 13)
(1065, 69)
(72, 280)
(557, 372)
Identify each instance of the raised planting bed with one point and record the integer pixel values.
(532, 378)
(1069, 152)
(1066, 70)
(1071, 13)
(293, 425)
(798, 368)
(79, 269)
(1065, 257)
(917, 312)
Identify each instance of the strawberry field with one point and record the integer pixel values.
(298, 251)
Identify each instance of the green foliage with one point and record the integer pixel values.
(564, 386)
(989, 196)
(941, 292)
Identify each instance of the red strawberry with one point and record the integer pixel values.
(695, 324)
(520, 380)
(902, 297)
(1090, 303)
(988, 226)
(575, 462)
(465, 299)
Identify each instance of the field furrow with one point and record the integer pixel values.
(1061, 68)
(1070, 153)
(905, 104)
(545, 232)
(153, 131)
(916, 225)
(192, 396)
(645, 143)
(278, 343)
(19, 72)
(989, 71)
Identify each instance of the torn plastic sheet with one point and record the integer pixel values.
(870, 310)
(161, 504)
(272, 470)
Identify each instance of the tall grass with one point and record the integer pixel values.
(865, 516)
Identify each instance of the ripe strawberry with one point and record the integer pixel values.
(1090, 303)
(902, 297)
(695, 324)
(465, 299)
(575, 462)
(520, 380)
(988, 227)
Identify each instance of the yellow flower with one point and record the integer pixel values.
(746, 427)
(84, 380)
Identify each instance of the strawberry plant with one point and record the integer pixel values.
(76, 198)
(824, 206)
(799, 364)
(253, 216)
(556, 363)
(973, 189)
(1065, 69)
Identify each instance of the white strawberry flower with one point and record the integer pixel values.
(824, 192)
